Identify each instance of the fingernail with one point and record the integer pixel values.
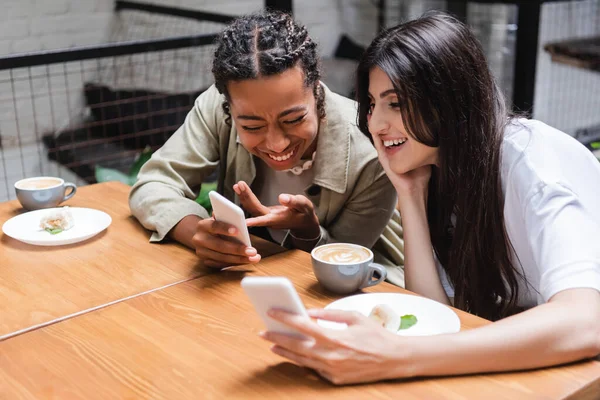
(285, 198)
(231, 231)
(250, 251)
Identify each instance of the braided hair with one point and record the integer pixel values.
(264, 44)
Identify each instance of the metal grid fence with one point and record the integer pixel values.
(68, 113)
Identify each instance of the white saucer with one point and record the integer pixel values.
(26, 227)
(433, 318)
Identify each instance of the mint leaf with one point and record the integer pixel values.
(53, 231)
(406, 321)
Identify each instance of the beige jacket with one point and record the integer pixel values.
(352, 196)
(389, 250)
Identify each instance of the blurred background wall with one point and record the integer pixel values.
(45, 100)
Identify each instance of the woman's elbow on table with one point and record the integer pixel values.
(592, 332)
(587, 336)
(582, 306)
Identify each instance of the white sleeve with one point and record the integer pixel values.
(565, 240)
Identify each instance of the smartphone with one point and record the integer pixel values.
(274, 292)
(226, 211)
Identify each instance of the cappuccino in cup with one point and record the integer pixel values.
(341, 253)
(40, 183)
(345, 267)
(43, 192)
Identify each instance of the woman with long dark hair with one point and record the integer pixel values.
(501, 218)
(286, 148)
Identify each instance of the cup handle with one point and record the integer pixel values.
(73, 190)
(372, 268)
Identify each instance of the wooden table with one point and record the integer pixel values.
(195, 339)
(39, 285)
(198, 339)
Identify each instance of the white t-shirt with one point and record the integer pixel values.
(551, 186)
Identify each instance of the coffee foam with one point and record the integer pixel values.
(342, 254)
(41, 183)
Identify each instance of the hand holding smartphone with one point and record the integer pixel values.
(267, 293)
(226, 211)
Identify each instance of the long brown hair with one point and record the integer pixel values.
(451, 101)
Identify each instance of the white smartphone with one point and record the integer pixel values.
(274, 292)
(230, 213)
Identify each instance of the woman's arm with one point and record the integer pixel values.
(165, 191)
(563, 330)
(420, 271)
(185, 230)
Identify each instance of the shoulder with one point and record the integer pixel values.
(535, 154)
(345, 155)
(542, 145)
(210, 99)
(542, 164)
(208, 113)
(342, 112)
(344, 105)
(341, 115)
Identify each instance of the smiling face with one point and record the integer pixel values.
(276, 117)
(395, 145)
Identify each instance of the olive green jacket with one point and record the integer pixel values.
(352, 196)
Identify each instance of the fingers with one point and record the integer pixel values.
(300, 323)
(219, 236)
(214, 258)
(213, 243)
(278, 217)
(248, 199)
(264, 220)
(319, 366)
(297, 202)
(221, 228)
(297, 358)
(219, 259)
(214, 227)
(293, 343)
(327, 376)
(347, 317)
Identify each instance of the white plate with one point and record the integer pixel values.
(433, 318)
(26, 227)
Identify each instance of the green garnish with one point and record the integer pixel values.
(406, 321)
(53, 231)
(595, 145)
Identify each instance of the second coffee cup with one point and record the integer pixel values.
(345, 268)
(43, 192)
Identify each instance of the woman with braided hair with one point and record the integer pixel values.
(282, 142)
